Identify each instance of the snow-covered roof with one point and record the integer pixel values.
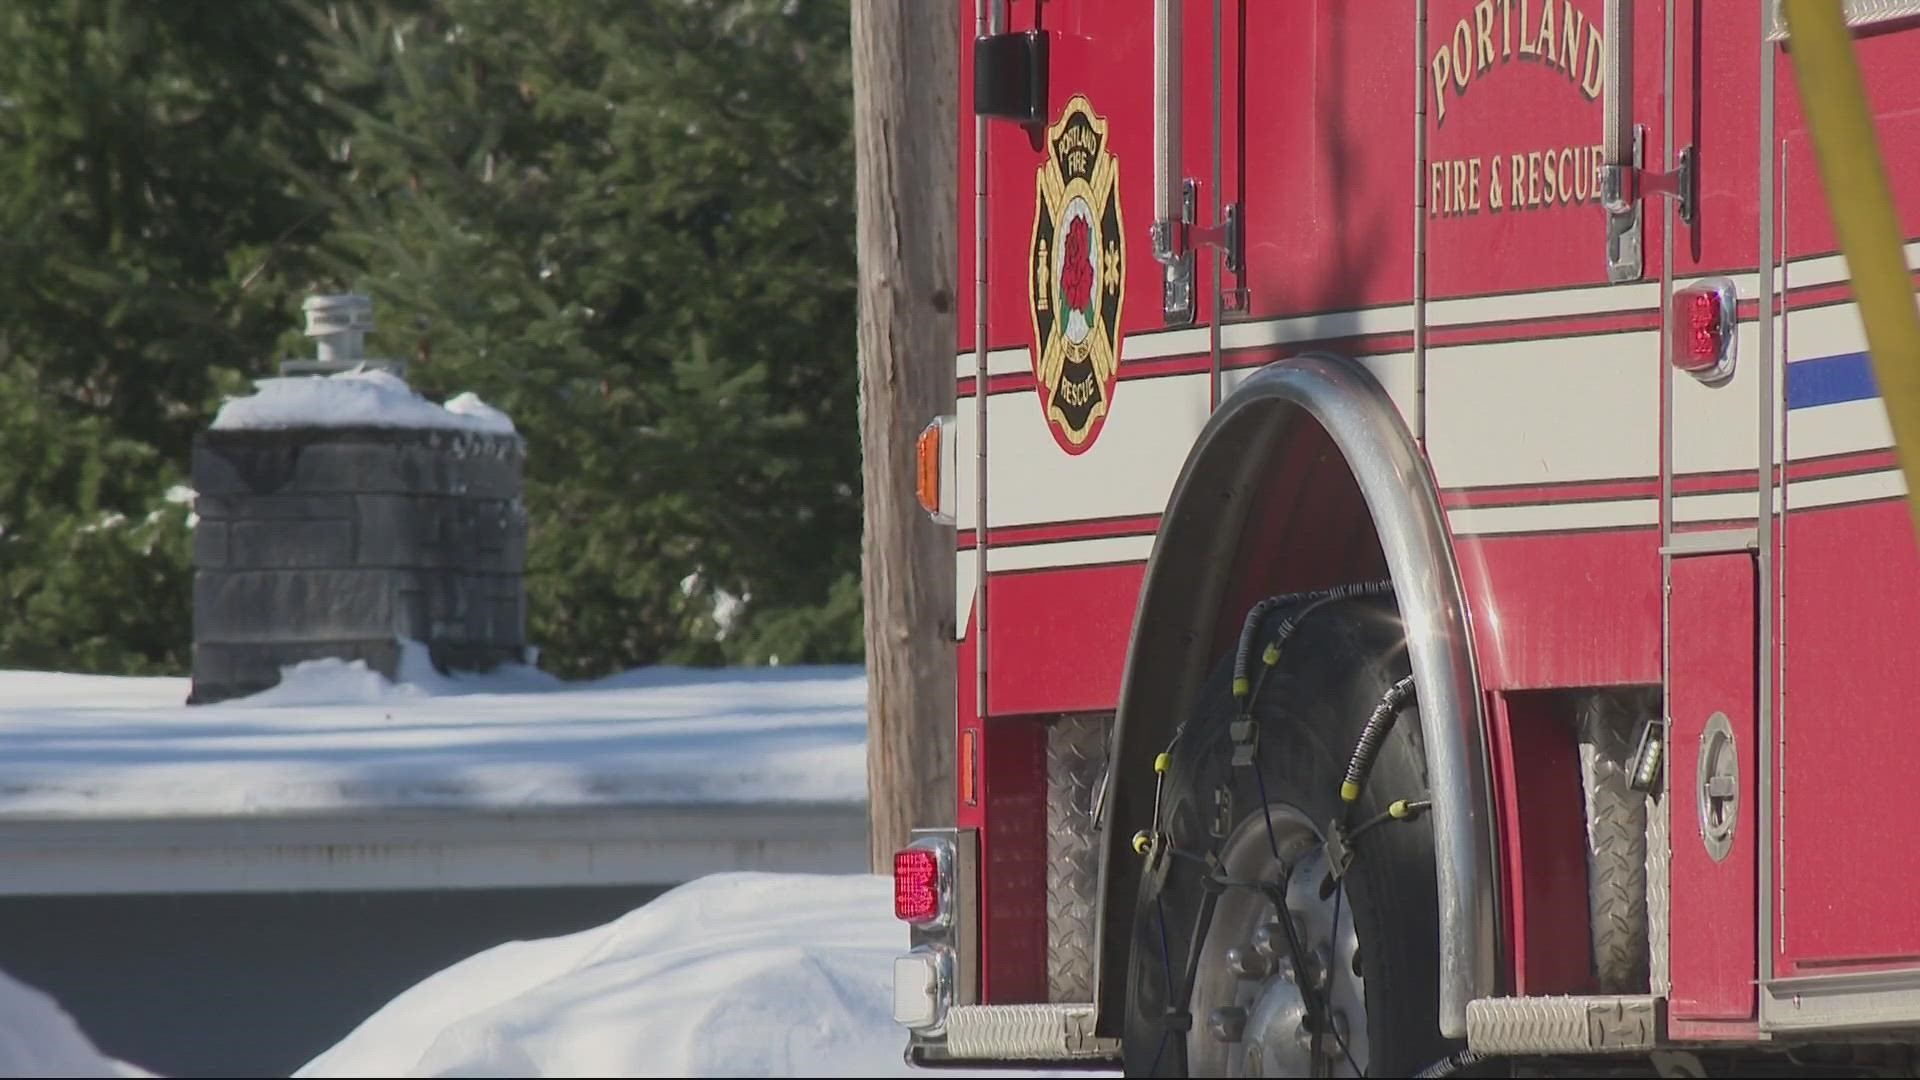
(337, 736)
(368, 398)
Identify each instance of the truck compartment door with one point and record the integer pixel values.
(1712, 925)
(1847, 941)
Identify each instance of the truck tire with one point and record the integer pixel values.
(1374, 969)
(1616, 843)
(1076, 757)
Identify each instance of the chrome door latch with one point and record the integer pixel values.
(1174, 243)
(1621, 189)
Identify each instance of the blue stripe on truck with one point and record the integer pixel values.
(1830, 380)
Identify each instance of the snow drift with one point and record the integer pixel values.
(38, 1038)
(731, 975)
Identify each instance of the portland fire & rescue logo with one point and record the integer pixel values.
(1077, 276)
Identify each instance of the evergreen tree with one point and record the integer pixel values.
(151, 248)
(630, 225)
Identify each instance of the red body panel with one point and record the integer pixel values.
(1059, 638)
(1587, 606)
(1712, 946)
(1542, 841)
(1848, 746)
(1013, 853)
(1328, 173)
(1848, 862)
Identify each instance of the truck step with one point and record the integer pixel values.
(1563, 1025)
(1054, 1032)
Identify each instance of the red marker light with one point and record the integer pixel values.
(1703, 330)
(916, 885)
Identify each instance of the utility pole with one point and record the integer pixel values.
(905, 136)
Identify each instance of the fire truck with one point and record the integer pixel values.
(1434, 586)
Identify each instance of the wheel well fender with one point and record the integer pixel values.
(1305, 476)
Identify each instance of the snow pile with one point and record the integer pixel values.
(479, 415)
(365, 398)
(352, 682)
(730, 975)
(339, 736)
(38, 1038)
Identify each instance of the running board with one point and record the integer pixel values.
(1563, 1025)
(1053, 1032)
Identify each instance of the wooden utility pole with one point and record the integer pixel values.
(905, 135)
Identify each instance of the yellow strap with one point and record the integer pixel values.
(1862, 206)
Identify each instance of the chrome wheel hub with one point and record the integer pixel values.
(1266, 1003)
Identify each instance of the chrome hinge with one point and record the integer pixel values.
(1621, 188)
(1174, 243)
(1176, 296)
(1621, 185)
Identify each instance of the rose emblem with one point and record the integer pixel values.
(1076, 267)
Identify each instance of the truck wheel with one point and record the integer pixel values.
(1616, 840)
(1368, 946)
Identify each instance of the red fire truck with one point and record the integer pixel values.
(1434, 585)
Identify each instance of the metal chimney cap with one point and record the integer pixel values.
(339, 324)
(338, 313)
